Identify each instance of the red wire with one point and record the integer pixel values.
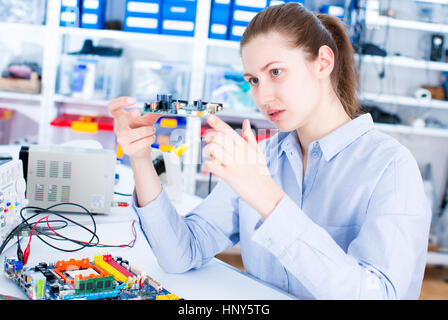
(27, 250)
(90, 243)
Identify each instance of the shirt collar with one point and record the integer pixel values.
(331, 144)
(340, 138)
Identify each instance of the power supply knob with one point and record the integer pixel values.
(20, 186)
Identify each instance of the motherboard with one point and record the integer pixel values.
(104, 278)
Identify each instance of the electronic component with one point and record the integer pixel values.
(56, 174)
(165, 105)
(12, 195)
(106, 278)
(437, 41)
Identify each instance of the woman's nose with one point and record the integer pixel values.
(266, 93)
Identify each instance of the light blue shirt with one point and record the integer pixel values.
(356, 228)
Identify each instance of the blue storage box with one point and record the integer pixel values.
(179, 10)
(276, 2)
(178, 27)
(219, 19)
(70, 13)
(333, 10)
(142, 16)
(93, 14)
(236, 31)
(143, 8)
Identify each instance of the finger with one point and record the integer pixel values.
(139, 119)
(216, 152)
(223, 127)
(214, 168)
(116, 106)
(220, 139)
(136, 134)
(248, 134)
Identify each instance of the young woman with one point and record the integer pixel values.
(329, 208)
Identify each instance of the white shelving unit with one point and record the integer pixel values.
(403, 64)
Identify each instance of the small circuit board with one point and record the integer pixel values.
(165, 105)
(106, 278)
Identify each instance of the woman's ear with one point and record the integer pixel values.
(325, 60)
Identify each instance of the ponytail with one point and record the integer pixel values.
(310, 32)
(344, 75)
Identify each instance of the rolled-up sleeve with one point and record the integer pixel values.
(383, 259)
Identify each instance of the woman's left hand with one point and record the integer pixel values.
(240, 163)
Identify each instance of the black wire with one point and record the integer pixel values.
(25, 224)
(124, 194)
(82, 245)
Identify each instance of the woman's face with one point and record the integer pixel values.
(284, 85)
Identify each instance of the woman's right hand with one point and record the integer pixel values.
(135, 133)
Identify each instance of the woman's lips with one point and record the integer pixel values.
(275, 114)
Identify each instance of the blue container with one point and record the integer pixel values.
(179, 10)
(93, 14)
(142, 16)
(333, 10)
(243, 12)
(219, 19)
(236, 31)
(250, 5)
(276, 2)
(178, 27)
(70, 13)
(178, 17)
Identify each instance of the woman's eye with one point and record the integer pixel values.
(276, 72)
(253, 81)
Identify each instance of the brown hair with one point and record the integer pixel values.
(311, 31)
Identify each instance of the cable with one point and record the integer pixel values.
(124, 194)
(26, 253)
(94, 241)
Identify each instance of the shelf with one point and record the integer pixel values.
(437, 258)
(407, 62)
(383, 21)
(20, 96)
(395, 128)
(251, 115)
(223, 43)
(403, 100)
(23, 27)
(443, 2)
(124, 35)
(80, 101)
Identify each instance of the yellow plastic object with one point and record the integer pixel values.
(120, 153)
(166, 147)
(171, 296)
(199, 113)
(91, 127)
(99, 261)
(7, 114)
(168, 123)
(180, 150)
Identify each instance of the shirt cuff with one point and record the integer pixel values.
(284, 226)
(159, 204)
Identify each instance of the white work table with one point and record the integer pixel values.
(214, 281)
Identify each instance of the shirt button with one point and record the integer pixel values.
(315, 154)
